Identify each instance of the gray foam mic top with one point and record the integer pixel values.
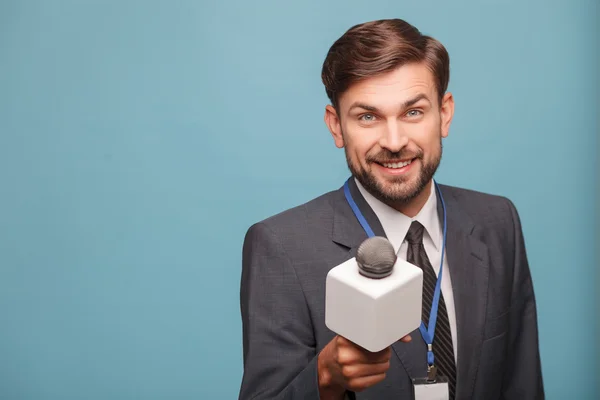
(376, 257)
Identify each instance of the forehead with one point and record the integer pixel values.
(392, 88)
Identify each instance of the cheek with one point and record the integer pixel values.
(427, 135)
(360, 143)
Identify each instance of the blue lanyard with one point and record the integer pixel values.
(426, 332)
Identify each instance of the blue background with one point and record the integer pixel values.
(140, 139)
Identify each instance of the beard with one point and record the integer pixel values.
(400, 190)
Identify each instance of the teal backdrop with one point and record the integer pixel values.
(140, 139)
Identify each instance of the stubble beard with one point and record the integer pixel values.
(398, 191)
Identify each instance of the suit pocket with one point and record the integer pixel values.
(493, 350)
(496, 326)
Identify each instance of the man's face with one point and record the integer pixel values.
(391, 127)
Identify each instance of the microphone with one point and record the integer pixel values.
(374, 299)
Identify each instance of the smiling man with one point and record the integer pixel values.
(390, 112)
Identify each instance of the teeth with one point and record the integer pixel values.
(397, 165)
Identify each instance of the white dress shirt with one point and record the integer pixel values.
(396, 225)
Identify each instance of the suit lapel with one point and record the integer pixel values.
(348, 232)
(469, 269)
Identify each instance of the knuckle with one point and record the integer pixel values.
(345, 357)
(342, 357)
(347, 371)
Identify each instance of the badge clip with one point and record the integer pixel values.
(431, 373)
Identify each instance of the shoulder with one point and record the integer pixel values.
(308, 220)
(486, 210)
(476, 200)
(492, 219)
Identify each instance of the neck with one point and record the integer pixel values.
(412, 208)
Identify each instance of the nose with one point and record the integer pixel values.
(393, 138)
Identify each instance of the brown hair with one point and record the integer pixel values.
(376, 47)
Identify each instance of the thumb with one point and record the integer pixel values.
(406, 339)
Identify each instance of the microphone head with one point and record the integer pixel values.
(376, 257)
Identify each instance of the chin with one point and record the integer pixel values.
(394, 190)
(398, 183)
(397, 191)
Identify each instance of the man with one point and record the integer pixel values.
(390, 111)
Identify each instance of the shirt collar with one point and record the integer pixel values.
(396, 225)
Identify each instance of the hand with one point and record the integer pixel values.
(343, 365)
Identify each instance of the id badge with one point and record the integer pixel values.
(426, 389)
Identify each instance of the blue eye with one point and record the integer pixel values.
(414, 113)
(367, 117)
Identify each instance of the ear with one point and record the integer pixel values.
(333, 122)
(447, 113)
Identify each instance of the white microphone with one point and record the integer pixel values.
(374, 299)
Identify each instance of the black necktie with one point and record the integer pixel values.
(442, 343)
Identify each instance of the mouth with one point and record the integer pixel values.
(398, 164)
(395, 167)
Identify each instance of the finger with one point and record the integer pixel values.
(362, 383)
(354, 371)
(406, 339)
(378, 357)
(353, 354)
(342, 341)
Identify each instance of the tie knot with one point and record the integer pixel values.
(415, 233)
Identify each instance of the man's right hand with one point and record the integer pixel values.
(343, 365)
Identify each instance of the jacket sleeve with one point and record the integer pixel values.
(279, 350)
(523, 376)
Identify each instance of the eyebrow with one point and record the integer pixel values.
(415, 100)
(405, 105)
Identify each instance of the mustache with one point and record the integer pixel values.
(388, 156)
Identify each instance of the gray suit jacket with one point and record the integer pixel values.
(286, 259)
